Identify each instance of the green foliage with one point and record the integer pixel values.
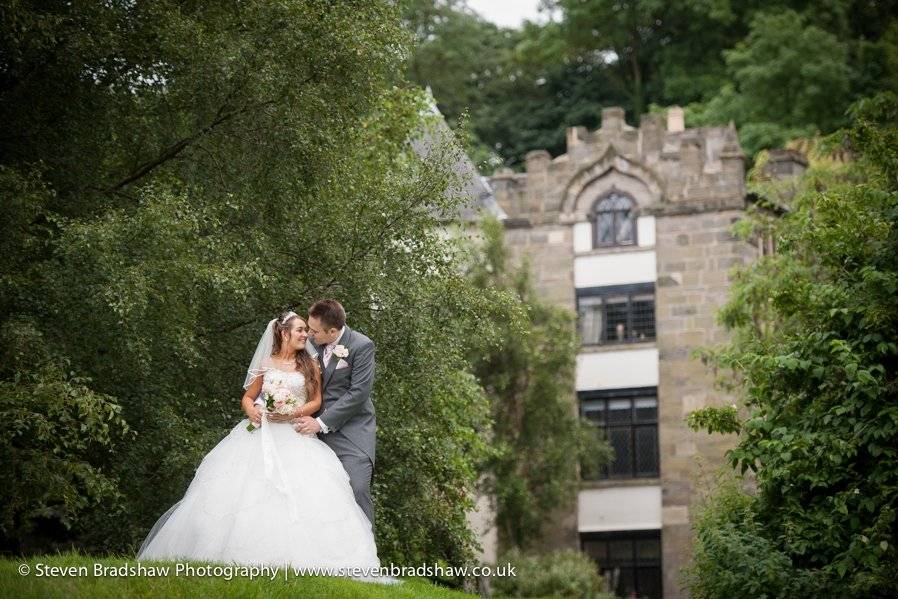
(621, 35)
(777, 69)
(518, 87)
(172, 176)
(879, 143)
(565, 573)
(813, 346)
(51, 423)
(733, 556)
(455, 51)
(538, 92)
(789, 78)
(526, 367)
(716, 420)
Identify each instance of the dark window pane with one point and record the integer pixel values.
(623, 203)
(624, 227)
(630, 427)
(605, 228)
(620, 411)
(594, 411)
(622, 442)
(597, 550)
(632, 561)
(643, 308)
(647, 450)
(648, 582)
(614, 202)
(626, 584)
(646, 409)
(591, 320)
(616, 319)
(620, 552)
(615, 223)
(648, 549)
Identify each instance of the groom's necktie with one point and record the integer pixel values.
(328, 350)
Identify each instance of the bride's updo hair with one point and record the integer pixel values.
(305, 363)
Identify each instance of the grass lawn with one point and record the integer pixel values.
(13, 584)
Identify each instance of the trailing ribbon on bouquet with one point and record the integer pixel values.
(274, 468)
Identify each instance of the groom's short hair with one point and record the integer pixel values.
(330, 312)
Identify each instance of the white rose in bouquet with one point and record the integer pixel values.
(280, 401)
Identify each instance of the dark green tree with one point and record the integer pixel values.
(541, 91)
(174, 174)
(520, 89)
(626, 37)
(777, 68)
(813, 351)
(789, 78)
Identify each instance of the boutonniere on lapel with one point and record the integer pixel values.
(340, 351)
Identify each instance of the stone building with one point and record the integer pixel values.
(631, 228)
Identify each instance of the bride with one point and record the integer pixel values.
(271, 496)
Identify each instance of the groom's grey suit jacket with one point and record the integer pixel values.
(346, 407)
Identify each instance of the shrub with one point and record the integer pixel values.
(565, 573)
(54, 431)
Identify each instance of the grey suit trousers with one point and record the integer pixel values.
(359, 468)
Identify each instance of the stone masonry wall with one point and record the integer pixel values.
(694, 253)
(549, 251)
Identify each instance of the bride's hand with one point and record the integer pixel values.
(254, 414)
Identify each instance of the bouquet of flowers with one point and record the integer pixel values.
(281, 401)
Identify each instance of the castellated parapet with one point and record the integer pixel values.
(677, 170)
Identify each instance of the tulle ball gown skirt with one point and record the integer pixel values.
(268, 497)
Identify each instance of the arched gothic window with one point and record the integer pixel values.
(613, 221)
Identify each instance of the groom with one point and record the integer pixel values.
(345, 420)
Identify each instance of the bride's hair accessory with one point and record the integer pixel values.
(287, 316)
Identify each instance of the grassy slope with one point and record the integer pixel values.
(12, 584)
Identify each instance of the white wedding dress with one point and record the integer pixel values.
(268, 497)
